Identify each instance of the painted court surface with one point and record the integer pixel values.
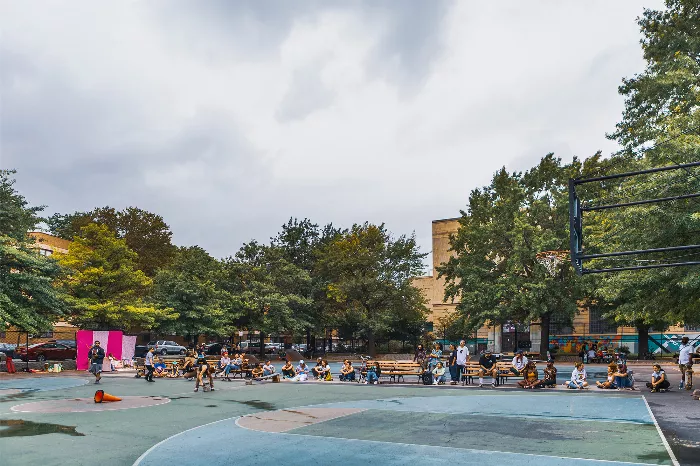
(53, 420)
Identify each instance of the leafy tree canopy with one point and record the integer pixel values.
(27, 297)
(144, 232)
(105, 288)
(369, 277)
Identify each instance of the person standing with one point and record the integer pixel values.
(685, 359)
(462, 358)
(96, 354)
(150, 367)
(452, 365)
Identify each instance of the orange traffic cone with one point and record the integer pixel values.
(101, 396)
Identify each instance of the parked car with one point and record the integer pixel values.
(166, 347)
(68, 343)
(214, 349)
(50, 351)
(140, 351)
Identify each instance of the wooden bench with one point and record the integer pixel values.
(503, 371)
(469, 372)
(397, 370)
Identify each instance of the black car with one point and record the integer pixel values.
(140, 351)
(214, 349)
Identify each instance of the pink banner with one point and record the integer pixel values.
(83, 341)
(114, 347)
(128, 346)
(111, 342)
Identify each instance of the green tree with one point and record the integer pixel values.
(190, 286)
(494, 273)
(104, 286)
(145, 233)
(369, 274)
(28, 299)
(660, 126)
(268, 289)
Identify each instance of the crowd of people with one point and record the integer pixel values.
(196, 367)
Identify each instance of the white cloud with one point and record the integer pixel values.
(229, 117)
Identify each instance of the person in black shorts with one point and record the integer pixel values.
(487, 367)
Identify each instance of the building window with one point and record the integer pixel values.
(428, 326)
(42, 335)
(45, 252)
(560, 325)
(691, 328)
(598, 324)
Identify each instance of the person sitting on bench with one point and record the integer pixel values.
(224, 365)
(659, 382)
(578, 377)
(439, 374)
(268, 368)
(288, 370)
(487, 367)
(160, 368)
(530, 376)
(519, 362)
(347, 373)
(550, 375)
(610, 382)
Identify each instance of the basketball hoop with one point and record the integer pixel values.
(552, 259)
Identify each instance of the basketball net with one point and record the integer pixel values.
(551, 260)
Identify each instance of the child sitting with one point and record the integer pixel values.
(610, 382)
(578, 377)
(659, 382)
(257, 371)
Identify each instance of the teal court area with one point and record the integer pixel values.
(323, 423)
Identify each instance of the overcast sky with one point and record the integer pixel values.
(228, 117)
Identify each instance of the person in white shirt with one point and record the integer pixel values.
(685, 359)
(591, 355)
(462, 358)
(519, 363)
(578, 377)
(268, 368)
(302, 372)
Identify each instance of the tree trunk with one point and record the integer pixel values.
(370, 344)
(544, 334)
(643, 343)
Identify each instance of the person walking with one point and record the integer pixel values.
(150, 366)
(462, 358)
(96, 355)
(685, 359)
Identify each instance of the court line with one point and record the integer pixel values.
(661, 434)
(145, 453)
(117, 408)
(472, 450)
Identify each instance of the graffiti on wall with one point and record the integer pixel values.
(574, 344)
(670, 341)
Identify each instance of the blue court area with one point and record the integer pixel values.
(470, 428)
(42, 384)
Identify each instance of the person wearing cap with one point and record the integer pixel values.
(519, 362)
(550, 375)
(487, 367)
(302, 372)
(97, 356)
